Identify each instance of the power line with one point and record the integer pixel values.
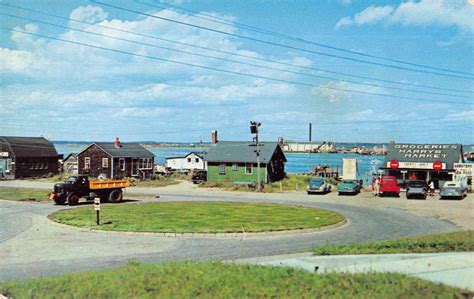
(229, 60)
(224, 21)
(282, 45)
(228, 71)
(238, 54)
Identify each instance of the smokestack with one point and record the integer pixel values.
(310, 132)
(214, 137)
(117, 143)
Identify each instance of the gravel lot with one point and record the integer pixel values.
(30, 245)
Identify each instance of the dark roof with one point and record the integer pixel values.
(425, 153)
(133, 150)
(30, 146)
(242, 151)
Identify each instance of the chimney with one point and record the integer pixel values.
(117, 143)
(214, 137)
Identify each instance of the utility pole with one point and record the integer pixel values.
(254, 130)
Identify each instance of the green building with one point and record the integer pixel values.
(236, 161)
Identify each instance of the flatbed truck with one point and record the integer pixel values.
(80, 186)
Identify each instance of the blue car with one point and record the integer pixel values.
(348, 187)
(318, 185)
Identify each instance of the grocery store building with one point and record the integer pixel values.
(422, 161)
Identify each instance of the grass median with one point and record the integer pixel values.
(218, 280)
(199, 217)
(24, 194)
(446, 242)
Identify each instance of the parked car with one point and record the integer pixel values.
(199, 177)
(348, 187)
(389, 185)
(318, 185)
(417, 189)
(453, 189)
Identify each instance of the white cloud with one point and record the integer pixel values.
(447, 13)
(371, 115)
(15, 61)
(461, 116)
(336, 91)
(89, 13)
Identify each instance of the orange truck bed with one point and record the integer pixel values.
(108, 184)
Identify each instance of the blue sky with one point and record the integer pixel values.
(74, 92)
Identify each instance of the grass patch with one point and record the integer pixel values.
(218, 280)
(199, 217)
(447, 242)
(160, 181)
(293, 182)
(24, 194)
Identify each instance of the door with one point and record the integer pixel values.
(3, 166)
(135, 162)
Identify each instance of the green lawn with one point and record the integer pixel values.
(24, 194)
(457, 241)
(218, 280)
(293, 182)
(202, 217)
(160, 181)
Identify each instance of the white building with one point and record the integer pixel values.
(192, 161)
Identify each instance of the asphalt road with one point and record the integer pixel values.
(32, 246)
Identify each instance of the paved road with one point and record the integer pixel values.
(31, 246)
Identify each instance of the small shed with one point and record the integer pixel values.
(236, 161)
(70, 164)
(27, 157)
(116, 160)
(190, 162)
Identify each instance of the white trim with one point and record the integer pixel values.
(87, 161)
(251, 169)
(122, 167)
(93, 143)
(225, 168)
(106, 164)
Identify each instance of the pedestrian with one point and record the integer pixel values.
(377, 186)
(432, 188)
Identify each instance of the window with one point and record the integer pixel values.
(189, 160)
(221, 168)
(87, 163)
(145, 163)
(122, 164)
(9, 165)
(196, 160)
(235, 167)
(150, 164)
(105, 163)
(248, 168)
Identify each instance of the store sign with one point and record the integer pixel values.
(415, 165)
(437, 165)
(425, 151)
(3, 154)
(466, 169)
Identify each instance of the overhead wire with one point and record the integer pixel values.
(228, 60)
(225, 21)
(283, 45)
(229, 71)
(243, 55)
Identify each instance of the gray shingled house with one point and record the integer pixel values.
(27, 157)
(115, 160)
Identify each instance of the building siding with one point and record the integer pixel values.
(233, 176)
(95, 154)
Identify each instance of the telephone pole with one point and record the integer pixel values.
(254, 130)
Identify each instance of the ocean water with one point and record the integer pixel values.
(296, 162)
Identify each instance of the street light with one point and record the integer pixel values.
(254, 130)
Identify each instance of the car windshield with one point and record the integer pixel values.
(72, 179)
(416, 184)
(451, 189)
(316, 182)
(388, 179)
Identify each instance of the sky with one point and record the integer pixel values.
(173, 71)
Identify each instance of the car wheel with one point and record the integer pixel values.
(116, 195)
(60, 201)
(72, 199)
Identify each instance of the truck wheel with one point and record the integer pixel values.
(115, 195)
(60, 201)
(72, 199)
